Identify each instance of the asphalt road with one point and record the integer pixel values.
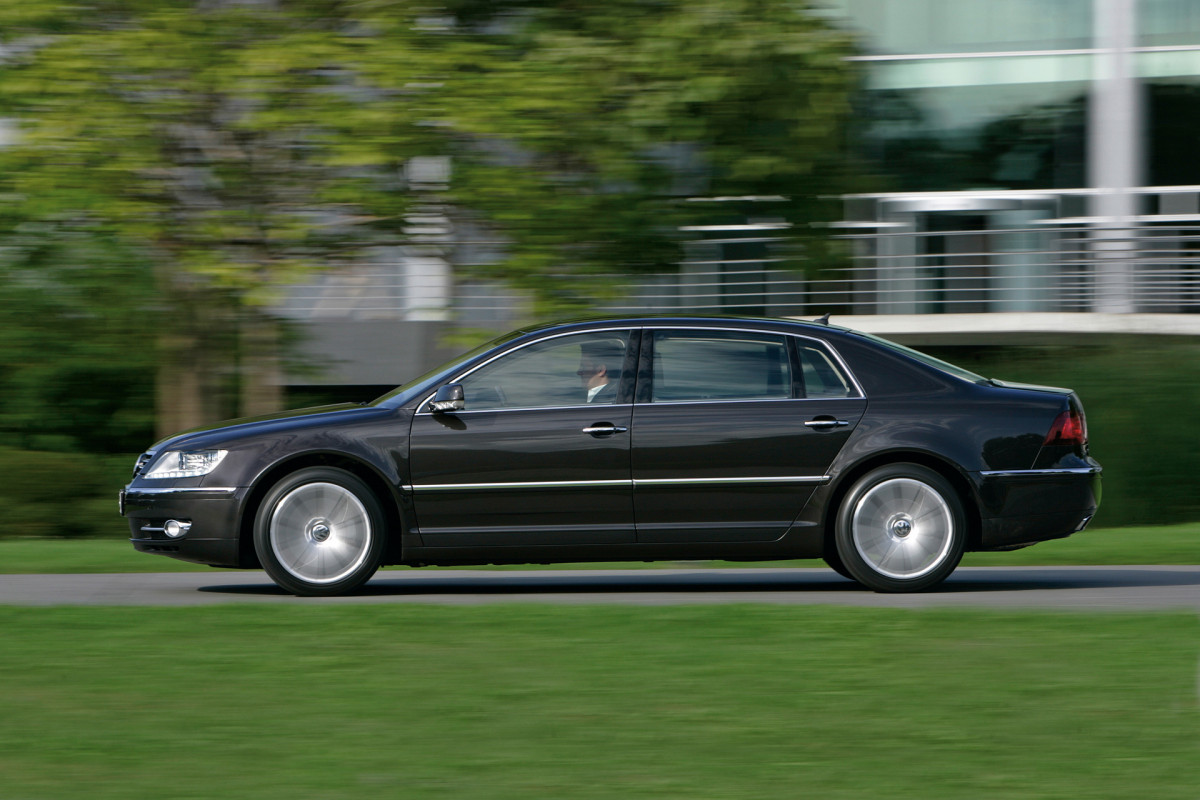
(1139, 588)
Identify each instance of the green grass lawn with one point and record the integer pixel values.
(1174, 544)
(596, 702)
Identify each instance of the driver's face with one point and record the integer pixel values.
(590, 373)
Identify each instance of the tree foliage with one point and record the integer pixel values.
(217, 139)
(76, 344)
(231, 147)
(590, 129)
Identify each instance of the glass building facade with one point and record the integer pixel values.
(1024, 155)
(1031, 155)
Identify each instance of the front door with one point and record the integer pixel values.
(540, 453)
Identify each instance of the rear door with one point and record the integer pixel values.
(733, 430)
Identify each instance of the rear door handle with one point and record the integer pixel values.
(604, 429)
(822, 423)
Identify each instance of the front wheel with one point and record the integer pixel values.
(319, 531)
(901, 528)
(835, 563)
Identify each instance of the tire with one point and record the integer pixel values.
(319, 532)
(901, 528)
(835, 563)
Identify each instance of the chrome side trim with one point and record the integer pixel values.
(451, 487)
(818, 479)
(1018, 473)
(223, 491)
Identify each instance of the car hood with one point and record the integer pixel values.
(220, 432)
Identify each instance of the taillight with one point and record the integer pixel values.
(1069, 428)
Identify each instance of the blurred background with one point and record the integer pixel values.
(219, 208)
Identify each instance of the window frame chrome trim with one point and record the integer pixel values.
(841, 362)
(530, 408)
(657, 403)
(423, 410)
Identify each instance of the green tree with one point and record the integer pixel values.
(588, 130)
(219, 140)
(75, 362)
(236, 146)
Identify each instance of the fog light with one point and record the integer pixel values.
(174, 528)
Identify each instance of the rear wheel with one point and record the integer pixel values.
(319, 531)
(901, 528)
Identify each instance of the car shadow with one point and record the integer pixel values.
(504, 583)
(969, 580)
(1016, 579)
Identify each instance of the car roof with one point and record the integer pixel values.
(697, 320)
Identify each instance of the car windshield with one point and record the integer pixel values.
(433, 375)
(928, 360)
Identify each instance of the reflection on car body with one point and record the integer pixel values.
(635, 439)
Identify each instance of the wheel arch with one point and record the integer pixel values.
(384, 492)
(847, 478)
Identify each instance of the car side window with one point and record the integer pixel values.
(720, 365)
(579, 369)
(822, 378)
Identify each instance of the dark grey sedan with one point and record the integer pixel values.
(635, 439)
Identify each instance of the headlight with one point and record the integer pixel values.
(185, 464)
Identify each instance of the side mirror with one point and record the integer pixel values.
(448, 398)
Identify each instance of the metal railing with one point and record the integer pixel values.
(981, 252)
(939, 253)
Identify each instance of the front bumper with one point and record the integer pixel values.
(214, 514)
(1020, 507)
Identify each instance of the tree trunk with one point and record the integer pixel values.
(260, 376)
(193, 333)
(182, 398)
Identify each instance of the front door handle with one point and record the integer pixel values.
(821, 423)
(604, 429)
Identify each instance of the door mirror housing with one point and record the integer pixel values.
(448, 398)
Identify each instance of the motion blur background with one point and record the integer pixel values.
(218, 208)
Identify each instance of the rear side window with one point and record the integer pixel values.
(720, 365)
(822, 378)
